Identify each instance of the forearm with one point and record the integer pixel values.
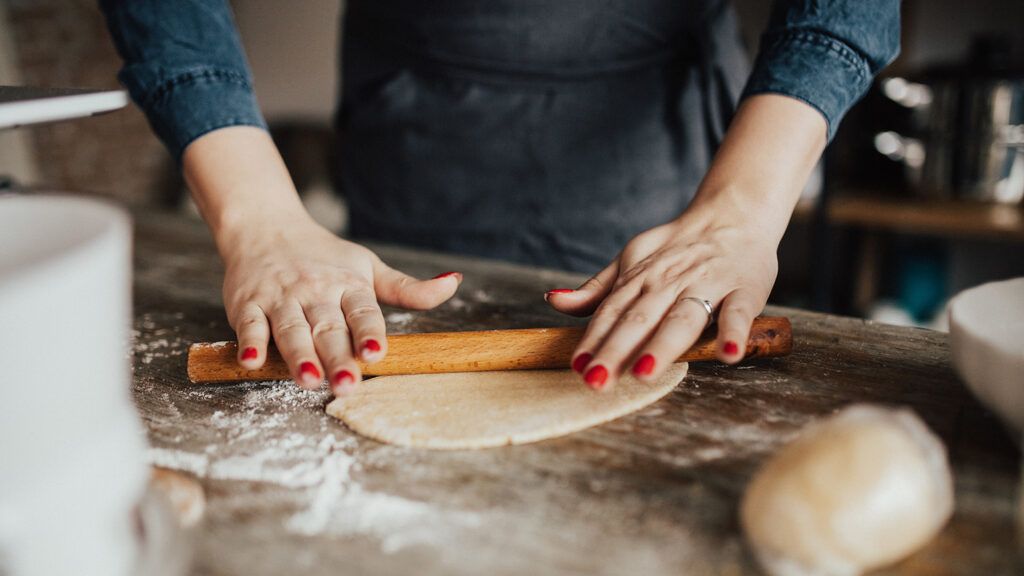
(240, 183)
(763, 163)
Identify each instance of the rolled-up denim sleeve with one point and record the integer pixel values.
(826, 52)
(184, 66)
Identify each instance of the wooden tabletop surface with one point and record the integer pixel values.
(291, 491)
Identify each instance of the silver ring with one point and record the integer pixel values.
(707, 308)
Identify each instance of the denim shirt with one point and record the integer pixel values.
(184, 65)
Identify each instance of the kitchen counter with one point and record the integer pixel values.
(292, 491)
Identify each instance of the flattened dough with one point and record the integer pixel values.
(487, 409)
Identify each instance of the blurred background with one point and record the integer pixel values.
(921, 194)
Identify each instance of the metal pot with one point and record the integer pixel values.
(966, 134)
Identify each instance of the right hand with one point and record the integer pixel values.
(317, 294)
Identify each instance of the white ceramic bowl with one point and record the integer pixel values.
(986, 329)
(72, 463)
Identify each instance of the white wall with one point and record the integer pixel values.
(293, 49)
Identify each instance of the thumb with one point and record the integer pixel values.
(399, 289)
(585, 299)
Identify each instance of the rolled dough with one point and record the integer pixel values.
(487, 409)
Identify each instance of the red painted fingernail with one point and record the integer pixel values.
(581, 362)
(249, 353)
(644, 366)
(447, 274)
(596, 377)
(343, 377)
(309, 369)
(371, 346)
(550, 293)
(731, 348)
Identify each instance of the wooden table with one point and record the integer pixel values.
(291, 491)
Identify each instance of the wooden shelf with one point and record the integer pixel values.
(947, 218)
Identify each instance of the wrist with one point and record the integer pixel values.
(241, 186)
(745, 207)
(233, 228)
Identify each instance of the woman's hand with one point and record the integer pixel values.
(722, 249)
(286, 276)
(644, 319)
(317, 294)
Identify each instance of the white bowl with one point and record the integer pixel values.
(72, 448)
(986, 329)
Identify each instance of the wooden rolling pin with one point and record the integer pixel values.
(528, 349)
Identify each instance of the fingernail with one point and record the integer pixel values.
(731, 348)
(596, 377)
(644, 365)
(550, 293)
(309, 372)
(250, 353)
(581, 362)
(343, 377)
(370, 348)
(343, 380)
(458, 275)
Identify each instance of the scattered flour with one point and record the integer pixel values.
(399, 319)
(482, 297)
(258, 443)
(150, 341)
(457, 303)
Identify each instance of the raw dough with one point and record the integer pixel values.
(856, 491)
(486, 409)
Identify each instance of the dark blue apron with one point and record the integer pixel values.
(548, 132)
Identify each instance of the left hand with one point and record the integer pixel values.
(642, 322)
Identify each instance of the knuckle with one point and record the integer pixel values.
(635, 317)
(608, 312)
(675, 271)
(593, 283)
(743, 310)
(252, 324)
(329, 327)
(682, 314)
(290, 325)
(404, 282)
(362, 312)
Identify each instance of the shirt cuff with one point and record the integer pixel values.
(195, 102)
(815, 68)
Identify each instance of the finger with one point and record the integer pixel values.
(633, 327)
(735, 316)
(606, 316)
(294, 340)
(678, 331)
(399, 289)
(333, 346)
(366, 321)
(253, 332)
(585, 299)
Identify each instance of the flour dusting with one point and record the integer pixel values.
(399, 319)
(256, 441)
(150, 341)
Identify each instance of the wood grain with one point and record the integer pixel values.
(653, 493)
(474, 351)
